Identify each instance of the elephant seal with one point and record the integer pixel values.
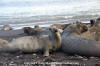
(37, 27)
(60, 26)
(93, 32)
(6, 27)
(30, 31)
(89, 33)
(74, 44)
(36, 42)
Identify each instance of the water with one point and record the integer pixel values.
(20, 13)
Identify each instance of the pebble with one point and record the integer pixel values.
(91, 57)
(85, 59)
(38, 57)
(11, 62)
(80, 57)
(17, 56)
(34, 54)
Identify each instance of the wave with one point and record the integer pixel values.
(47, 21)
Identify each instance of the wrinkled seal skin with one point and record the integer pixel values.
(34, 43)
(74, 44)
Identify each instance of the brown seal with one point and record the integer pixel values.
(93, 32)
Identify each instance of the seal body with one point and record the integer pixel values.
(37, 41)
(74, 44)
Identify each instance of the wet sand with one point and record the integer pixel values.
(36, 59)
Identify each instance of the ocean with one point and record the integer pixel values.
(23, 13)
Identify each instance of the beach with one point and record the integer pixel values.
(29, 13)
(58, 58)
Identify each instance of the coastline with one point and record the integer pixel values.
(19, 22)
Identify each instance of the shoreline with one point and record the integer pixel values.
(41, 24)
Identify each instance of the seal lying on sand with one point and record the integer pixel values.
(36, 42)
(72, 42)
(30, 31)
(6, 27)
